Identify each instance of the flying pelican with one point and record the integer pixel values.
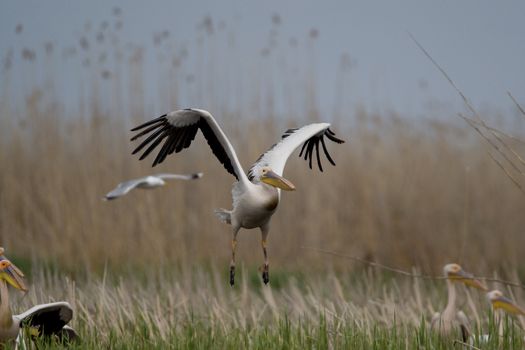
(41, 320)
(501, 303)
(256, 194)
(147, 182)
(450, 319)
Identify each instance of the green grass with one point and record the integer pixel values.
(285, 334)
(195, 308)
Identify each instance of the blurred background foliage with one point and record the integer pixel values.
(405, 191)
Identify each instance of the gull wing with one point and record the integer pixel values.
(123, 188)
(193, 176)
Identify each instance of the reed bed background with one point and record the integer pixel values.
(405, 192)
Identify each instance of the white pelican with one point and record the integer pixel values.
(501, 303)
(9, 326)
(40, 320)
(147, 182)
(256, 194)
(451, 320)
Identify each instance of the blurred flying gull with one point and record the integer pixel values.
(147, 182)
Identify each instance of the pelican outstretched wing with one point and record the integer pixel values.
(310, 136)
(47, 318)
(178, 129)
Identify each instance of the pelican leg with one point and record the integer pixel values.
(266, 267)
(232, 262)
(17, 340)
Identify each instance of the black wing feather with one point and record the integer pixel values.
(154, 144)
(302, 149)
(160, 119)
(164, 150)
(317, 153)
(309, 150)
(308, 147)
(216, 147)
(168, 146)
(333, 138)
(326, 152)
(144, 132)
(149, 139)
(178, 138)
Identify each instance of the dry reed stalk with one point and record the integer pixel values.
(483, 124)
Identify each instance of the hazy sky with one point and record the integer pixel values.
(480, 43)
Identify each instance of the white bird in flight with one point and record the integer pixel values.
(147, 182)
(256, 194)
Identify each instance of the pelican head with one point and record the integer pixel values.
(8, 275)
(268, 176)
(499, 301)
(455, 273)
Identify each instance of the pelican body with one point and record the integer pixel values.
(452, 319)
(256, 194)
(9, 274)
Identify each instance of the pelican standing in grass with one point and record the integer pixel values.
(256, 194)
(43, 320)
(451, 320)
(500, 304)
(9, 325)
(147, 182)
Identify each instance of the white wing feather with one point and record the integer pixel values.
(278, 154)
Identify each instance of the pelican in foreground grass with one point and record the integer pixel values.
(500, 304)
(147, 182)
(255, 194)
(45, 320)
(9, 325)
(451, 320)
